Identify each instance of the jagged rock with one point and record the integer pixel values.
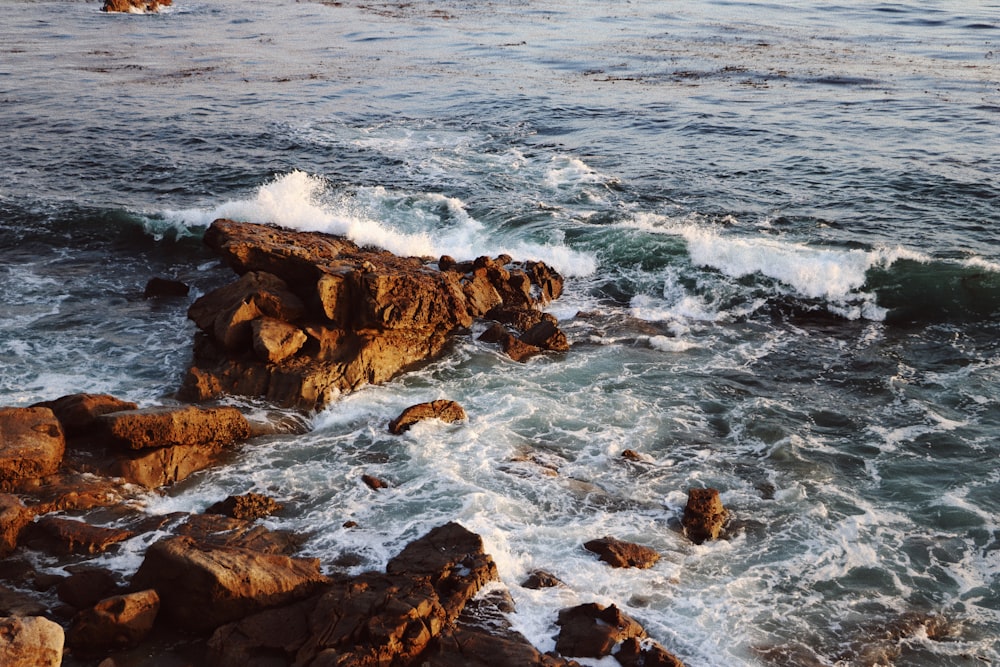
(248, 507)
(366, 314)
(30, 642)
(174, 426)
(116, 622)
(548, 280)
(521, 319)
(274, 340)
(14, 517)
(372, 619)
(646, 653)
(135, 6)
(447, 411)
(593, 631)
(87, 587)
(32, 444)
(704, 515)
(202, 587)
(547, 336)
(618, 553)
(78, 413)
(66, 536)
(541, 579)
(222, 531)
(164, 287)
(517, 349)
(374, 483)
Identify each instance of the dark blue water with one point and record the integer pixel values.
(780, 229)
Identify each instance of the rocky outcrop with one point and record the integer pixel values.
(446, 411)
(30, 642)
(61, 536)
(594, 631)
(314, 316)
(618, 553)
(704, 515)
(202, 587)
(78, 413)
(135, 6)
(114, 623)
(32, 444)
(174, 426)
(248, 507)
(14, 517)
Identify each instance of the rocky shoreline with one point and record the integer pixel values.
(309, 318)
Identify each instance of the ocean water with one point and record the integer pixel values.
(779, 227)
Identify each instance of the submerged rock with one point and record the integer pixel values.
(447, 411)
(135, 6)
(704, 515)
(618, 553)
(593, 631)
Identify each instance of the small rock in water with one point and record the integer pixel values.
(704, 515)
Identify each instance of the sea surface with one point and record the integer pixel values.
(780, 229)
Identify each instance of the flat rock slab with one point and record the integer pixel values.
(174, 426)
(593, 631)
(618, 553)
(32, 444)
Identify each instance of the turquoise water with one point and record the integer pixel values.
(779, 229)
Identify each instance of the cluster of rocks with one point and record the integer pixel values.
(314, 316)
(311, 316)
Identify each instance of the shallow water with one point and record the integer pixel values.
(779, 228)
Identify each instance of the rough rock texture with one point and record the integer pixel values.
(116, 622)
(30, 642)
(135, 6)
(14, 517)
(87, 587)
(62, 536)
(202, 587)
(636, 653)
(365, 315)
(541, 579)
(248, 507)
(617, 553)
(593, 631)
(372, 619)
(78, 413)
(447, 411)
(32, 444)
(704, 515)
(174, 426)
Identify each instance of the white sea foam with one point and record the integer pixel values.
(422, 224)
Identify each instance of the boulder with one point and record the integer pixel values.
(646, 653)
(704, 515)
(61, 536)
(594, 631)
(135, 6)
(174, 426)
(87, 587)
(541, 579)
(618, 553)
(114, 623)
(32, 444)
(447, 411)
(30, 642)
(547, 336)
(374, 483)
(164, 288)
(202, 587)
(223, 531)
(162, 466)
(78, 413)
(248, 507)
(274, 340)
(14, 517)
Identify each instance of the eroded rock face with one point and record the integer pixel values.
(593, 631)
(114, 623)
(174, 426)
(78, 413)
(32, 444)
(248, 507)
(447, 411)
(704, 515)
(135, 6)
(30, 642)
(618, 553)
(314, 316)
(14, 517)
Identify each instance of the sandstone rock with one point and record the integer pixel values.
(114, 623)
(447, 411)
(480, 294)
(541, 579)
(249, 506)
(593, 631)
(547, 336)
(32, 444)
(14, 517)
(222, 531)
(704, 515)
(30, 642)
(78, 413)
(67, 536)
(374, 483)
(202, 587)
(164, 287)
(617, 553)
(135, 6)
(548, 280)
(73, 491)
(162, 466)
(261, 291)
(521, 319)
(517, 349)
(173, 426)
(275, 341)
(636, 653)
(87, 587)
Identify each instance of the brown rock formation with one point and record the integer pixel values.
(30, 642)
(135, 6)
(635, 653)
(78, 413)
(174, 426)
(248, 507)
(447, 411)
(618, 553)
(202, 587)
(113, 623)
(704, 515)
(32, 444)
(365, 314)
(14, 517)
(541, 579)
(62, 536)
(593, 631)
